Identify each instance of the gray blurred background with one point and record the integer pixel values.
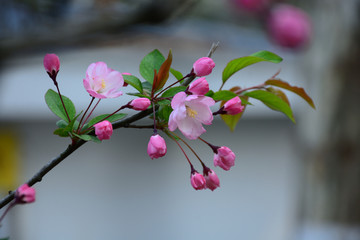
(290, 181)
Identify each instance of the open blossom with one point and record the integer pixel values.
(140, 104)
(25, 194)
(156, 147)
(199, 87)
(197, 180)
(224, 158)
(103, 82)
(212, 180)
(103, 130)
(52, 65)
(189, 113)
(289, 26)
(203, 66)
(233, 106)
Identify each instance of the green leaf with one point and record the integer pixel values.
(297, 90)
(138, 95)
(223, 95)
(7, 238)
(61, 123)
(65, 129)
(210, 93)
(53, 101)
(273, 101)
(133, 81)
(178, 75)
(164, 112)
(172, 91)
(87, 138)
(62, 132)
(232, 120)
(112, 118)
(237, 64)
(149, 63)
(146, 88)
(164, 102)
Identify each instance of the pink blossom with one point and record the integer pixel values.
(233, 106)
(197, 180)
(212, 180)
(203, 66)
(224, 158)
(52, 65)
(189, 113)
(199, 87)
(140, 104)
(103, 82)
(103, 130)
(25, 194)
(254, 6)
(289, 26)
(156, 147)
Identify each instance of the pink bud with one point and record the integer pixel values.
(233, 106)
(140, 104)
(199, 87)
(203, 66)
(52, 65)
(289, 26)
(212, 180)
(25, 194)
(197, 180)
(156, 147)
(224, 158)
(103, 130)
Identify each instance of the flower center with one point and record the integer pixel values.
(191, 112)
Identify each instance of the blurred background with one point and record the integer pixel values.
(290, 181)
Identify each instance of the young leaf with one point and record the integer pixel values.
(54, 103)
(138, 95)
(61, 123)
(164, 112)
(150, 62)
(178, 75)
(279, 93)
(163, 74)
(237, 64)
(112, 118)
(232, 120)
(272, 101)
(133, 81)
(299, 91)
(223, 95)
(172, 91)
(87, 138)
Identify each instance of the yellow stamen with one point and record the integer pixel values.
(191, 112)
(103, 84)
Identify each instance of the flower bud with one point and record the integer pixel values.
(289, 26)
(103, 130)
(212, 180)
(197, 180)
(156, 147)
(199, 87)
(203, 66)
(233, 106)
(25, 194)
(140, 104)
(52, 65)
(224, 158)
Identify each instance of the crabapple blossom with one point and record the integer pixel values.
(197, 180)
(52, 65)
(203, 66)
(233, 106)
(224, 158)
(199, 87)
(289, 26)
(140, 104)
(212, 180)
(25, 194)
(103, 82)
(156, 147)
(103, 130)
(189, 113)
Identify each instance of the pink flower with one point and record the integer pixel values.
(52, 65)
(197, 180)
(289, 26)
(103, 82)
(224, 158)
(212, 180)
(233, 106)
(203, 66)
(189, 113)
(199, 87)
(254, 6)
(25, 194)
(103, 130)
(140, 104)
(156, 147)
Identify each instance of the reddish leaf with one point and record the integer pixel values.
(299, 91)
(162, 76)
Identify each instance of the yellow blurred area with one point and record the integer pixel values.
(9, 160)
